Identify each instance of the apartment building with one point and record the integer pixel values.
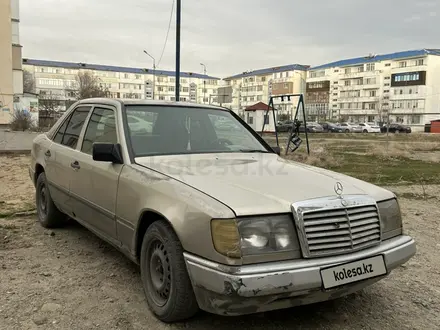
(403, 87)
(11, 75)
(59, 79)
(250, 87)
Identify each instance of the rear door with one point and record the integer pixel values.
(94, 184)
(60, 155)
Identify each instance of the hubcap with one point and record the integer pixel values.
(160, 273)
(43, 200)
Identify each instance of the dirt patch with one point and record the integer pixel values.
(17, 190)
(70, 279)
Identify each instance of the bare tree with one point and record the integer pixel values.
(28, 82)
(89, 86)
(21, 120)
(49, 105)
(130, 95)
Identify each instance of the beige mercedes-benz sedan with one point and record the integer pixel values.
(215, 218)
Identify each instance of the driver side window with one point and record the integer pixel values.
(101, 128)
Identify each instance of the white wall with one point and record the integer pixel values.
(17, 79)
(15, 33)
(15, 9)
(258, 119)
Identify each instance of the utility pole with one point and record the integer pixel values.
(204, 81)
(178, 12)
(154, 73)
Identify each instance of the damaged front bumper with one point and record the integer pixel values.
(238, 290)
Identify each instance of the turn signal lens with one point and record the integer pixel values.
(226, 238)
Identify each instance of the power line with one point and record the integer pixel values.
(168, 32)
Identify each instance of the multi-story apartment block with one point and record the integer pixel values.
(60, 79)
(251, 87)
(400, 87)
(11, 75)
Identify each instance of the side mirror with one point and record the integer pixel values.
(277, 150)
(107, 152)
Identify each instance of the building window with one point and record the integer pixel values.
(125, 75)
(347, 83)
(335, 94)
(370, 66)
(402, 64)
(335, 83)
(386, 90)
(388, 64)
(407, 77)
(387, 78)
(161, 97)
(419, 62)
(415, 119)
(386, 84)
(336, 70)
(372, 93)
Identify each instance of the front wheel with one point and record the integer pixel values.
(167, 286)
(365, 131)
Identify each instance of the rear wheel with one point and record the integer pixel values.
(48, 214)
(365, 131)
(347, 131)
(167, 286)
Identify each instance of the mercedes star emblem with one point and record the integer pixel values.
(338, 188)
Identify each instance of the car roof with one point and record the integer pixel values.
(116, 101)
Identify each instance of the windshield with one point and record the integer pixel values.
(166, 130)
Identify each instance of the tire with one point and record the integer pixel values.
(48, 214)
(365, 131)
(167, 287)
(347, 131)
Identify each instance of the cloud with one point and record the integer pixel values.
(230, 36)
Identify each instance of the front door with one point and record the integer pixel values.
(94, 184)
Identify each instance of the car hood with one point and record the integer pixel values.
(252, 184)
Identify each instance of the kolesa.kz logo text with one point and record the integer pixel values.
(343, 274)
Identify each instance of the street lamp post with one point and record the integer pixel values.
(204, 81)
(154, 73)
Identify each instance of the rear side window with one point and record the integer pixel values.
(59, 135)
(101, 128)
(73, 129)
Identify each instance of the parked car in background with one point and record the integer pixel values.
(313, 127)
(285, 126)
(369, 128)
(331, 128)
(350, 128)
(395, 128)
(215, 220)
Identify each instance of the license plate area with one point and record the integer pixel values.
(353, 271)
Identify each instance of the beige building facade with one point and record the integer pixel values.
(11, 74)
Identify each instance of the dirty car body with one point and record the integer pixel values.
(243, 229)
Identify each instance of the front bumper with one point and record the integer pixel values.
(238, 290)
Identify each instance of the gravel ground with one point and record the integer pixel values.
(70, 279)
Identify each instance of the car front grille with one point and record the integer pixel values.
(338, 226)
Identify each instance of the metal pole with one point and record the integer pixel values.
(178, 11)
(154, 73)
(204, 81)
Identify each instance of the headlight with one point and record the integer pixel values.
(255, 235)
(390, 217)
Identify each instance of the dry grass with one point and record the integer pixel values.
(397, 149)
(319, 156)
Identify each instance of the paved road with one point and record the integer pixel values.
(14, 141)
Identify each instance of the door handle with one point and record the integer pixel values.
(47, 153)
(75, 165)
